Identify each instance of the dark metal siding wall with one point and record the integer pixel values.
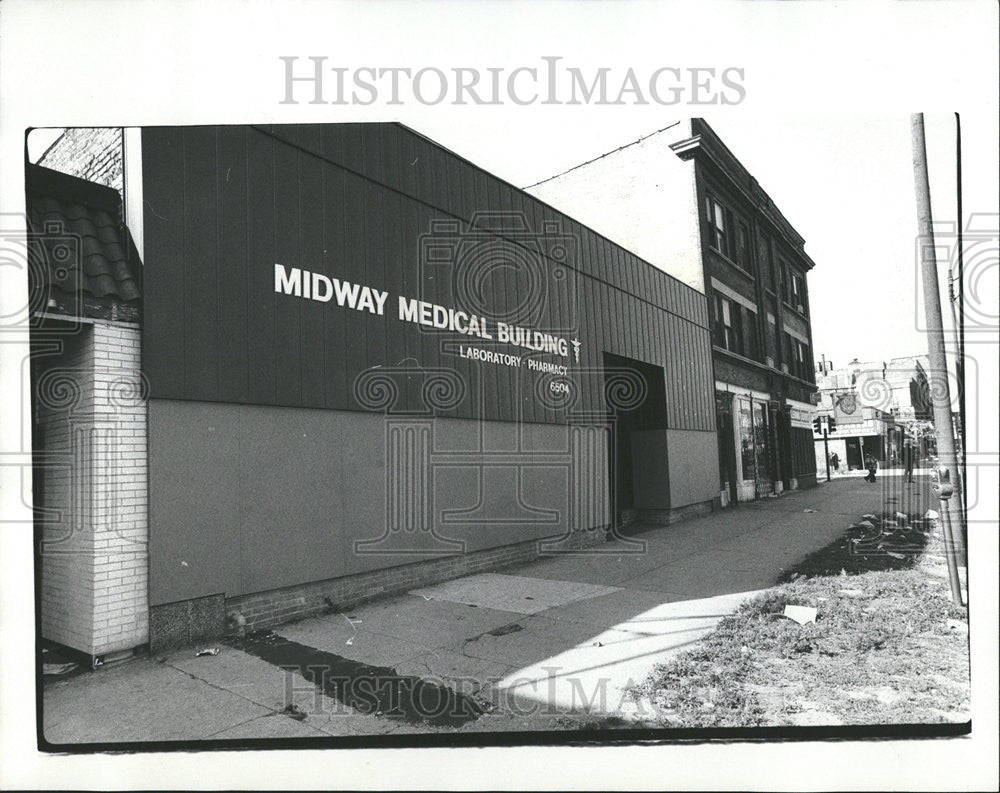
(249, 498)
(223, 204)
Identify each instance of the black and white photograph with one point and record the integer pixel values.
(519, 395)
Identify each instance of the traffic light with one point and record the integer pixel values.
(816, 425)
(831, 424)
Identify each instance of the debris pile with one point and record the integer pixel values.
(898, 537)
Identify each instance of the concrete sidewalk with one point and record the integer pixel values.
(542, 645)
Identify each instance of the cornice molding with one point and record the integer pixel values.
(710, 149)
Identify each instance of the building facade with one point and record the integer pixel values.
(681, 199)
(366, 365)
(878, 406)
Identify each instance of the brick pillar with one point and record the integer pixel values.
(94, 539)
(120, 527)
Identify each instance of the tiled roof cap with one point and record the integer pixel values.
(77, 230)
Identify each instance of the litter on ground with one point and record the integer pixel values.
(801, 614)
(58, 669)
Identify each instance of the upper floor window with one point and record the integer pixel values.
(798, 362)
(718, 226)
(801, 360)
(797, 291)
(743, 256)
(772, 270)
(730, 325)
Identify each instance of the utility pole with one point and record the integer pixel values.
(824, 422)
(963, 489)
(939, 388)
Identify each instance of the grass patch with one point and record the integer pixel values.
(888, 647)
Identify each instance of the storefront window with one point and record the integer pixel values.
(762, 443)
(755, 445)
(749, 457)
(724, 422)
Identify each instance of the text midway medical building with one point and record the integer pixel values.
(366, 365)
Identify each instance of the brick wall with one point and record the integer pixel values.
(91, 153)
(120, 526)
(92, 434)
(63, 404)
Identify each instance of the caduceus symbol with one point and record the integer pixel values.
(576, 349)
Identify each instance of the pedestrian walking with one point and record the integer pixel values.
(908, 455)
(835, 461)
(872, 465)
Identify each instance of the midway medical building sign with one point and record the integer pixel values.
(316, 286)
(367, 365)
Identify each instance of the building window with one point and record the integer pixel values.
(743, 258)
(801, 360)
(729, 325)
(797, 357)
(798, 292)
(718, 226)
(771, 270)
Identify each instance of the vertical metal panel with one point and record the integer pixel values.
(373, 263)
(392, 229)
(591, 334)
(659, 288)
(637, 285)
(233, 266)
(675, 389)
(678, 343)
(494, 286)
(163, 272)
(201, 286)
(528, 408)
(312, 341)
(287, 313)
(352, 269)
(502, 288)
(337, 389)
(409, 231)
(261, 258)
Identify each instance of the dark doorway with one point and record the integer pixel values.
(854, 459)
(727, 451)
(636, 416)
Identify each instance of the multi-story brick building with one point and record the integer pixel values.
(683, 201)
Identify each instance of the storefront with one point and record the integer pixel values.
(860, 432)
(749, 422)
(368, 365)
